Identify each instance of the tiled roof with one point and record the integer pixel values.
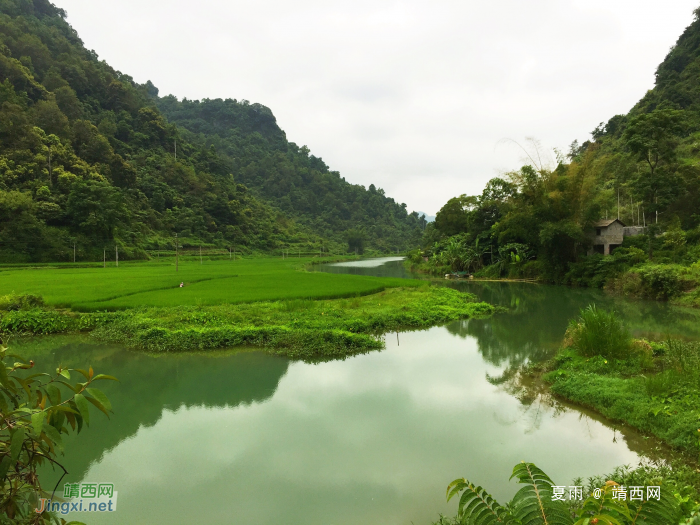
(606, 223)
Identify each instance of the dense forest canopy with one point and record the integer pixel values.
(88, 158)
(643, 166)
(289, 177)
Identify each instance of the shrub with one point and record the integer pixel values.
(652, 281)
(599, 332)
(661, 281)
(13, 302)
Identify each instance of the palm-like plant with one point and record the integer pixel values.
(535, 504)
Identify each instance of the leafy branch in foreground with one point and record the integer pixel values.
(537, 503)
(35, 410)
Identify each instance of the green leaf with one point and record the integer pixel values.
(3, 375)
(4, 408)
(665, 510)
(83, 407)
(74, 389)
(16, 443)
(98, 405)
(104, 376)
(78, 418)
(84, 372)
(100, 396)
(64, 373)
(54, 394)
(62, 408)
(5, 466)
(532, 504)
(38, 421)
(53, 435)
(476, 506)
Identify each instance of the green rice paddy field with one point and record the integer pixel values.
(156, 284)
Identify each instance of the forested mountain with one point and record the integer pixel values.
(296, 182)
(537, 221)
(87, 158)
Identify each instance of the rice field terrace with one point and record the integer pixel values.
(210, 282)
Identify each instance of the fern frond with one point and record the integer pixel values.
(533, 504)
(476, 506)
(653, 512)
(606, 509)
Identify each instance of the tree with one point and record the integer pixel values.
(95, 208)
(653, 138)
(452, 217)
(356, 241)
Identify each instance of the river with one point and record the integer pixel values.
(247, 438)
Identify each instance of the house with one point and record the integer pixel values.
(609, 234)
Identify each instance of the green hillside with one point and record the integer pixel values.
(87, 158)
(296, 182)
(538, 221)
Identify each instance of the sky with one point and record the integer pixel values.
(414, 96)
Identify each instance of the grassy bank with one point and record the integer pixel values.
(652, 386)
(298, 328)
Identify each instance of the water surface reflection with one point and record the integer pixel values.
(254, 439)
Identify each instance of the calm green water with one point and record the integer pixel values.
(247, 438)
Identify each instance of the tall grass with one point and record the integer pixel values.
(682, 360)
(599, 332)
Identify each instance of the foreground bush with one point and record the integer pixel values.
(678, 480)
(13, 301)
(35, 412)
(541, 502)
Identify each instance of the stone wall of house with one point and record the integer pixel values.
(613, 234)
(631, 231)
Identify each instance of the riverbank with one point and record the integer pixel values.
(618, 274)
(655, 389)
(298, 328)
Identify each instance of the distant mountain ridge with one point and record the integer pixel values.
(87, 163)
(300, 184)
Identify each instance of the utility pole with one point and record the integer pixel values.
(104, 258)
(176, 253)
(73, 251)
(632, 209)
(116, 251)
(50, 173)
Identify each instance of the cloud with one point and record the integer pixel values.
(412, 96)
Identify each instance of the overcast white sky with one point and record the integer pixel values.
(410, 95)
